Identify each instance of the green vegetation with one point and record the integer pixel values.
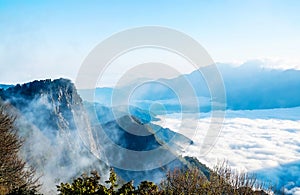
(91, 185)
(83, 185)
(222, 180)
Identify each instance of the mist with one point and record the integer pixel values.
(51, 119)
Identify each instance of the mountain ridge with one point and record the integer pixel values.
(248, 87)
(56, 126)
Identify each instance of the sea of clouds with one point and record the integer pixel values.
(266, 142)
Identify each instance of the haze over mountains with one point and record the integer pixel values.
(248, 87)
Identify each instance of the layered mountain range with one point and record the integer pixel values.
(247, 87)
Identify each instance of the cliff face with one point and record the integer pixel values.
(50, 117)
(49, 105)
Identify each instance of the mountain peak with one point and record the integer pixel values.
(54, 101)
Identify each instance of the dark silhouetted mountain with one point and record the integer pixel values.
(99, 113)
(128, 132)
(117, 130)
(135, 134)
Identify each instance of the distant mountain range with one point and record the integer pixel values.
(251, 86)
(247, 87)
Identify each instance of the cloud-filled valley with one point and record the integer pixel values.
(262, 141)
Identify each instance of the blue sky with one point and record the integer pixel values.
(50, 39)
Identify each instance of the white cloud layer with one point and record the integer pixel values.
(262, 141)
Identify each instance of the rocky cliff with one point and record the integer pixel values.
(65, 137)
